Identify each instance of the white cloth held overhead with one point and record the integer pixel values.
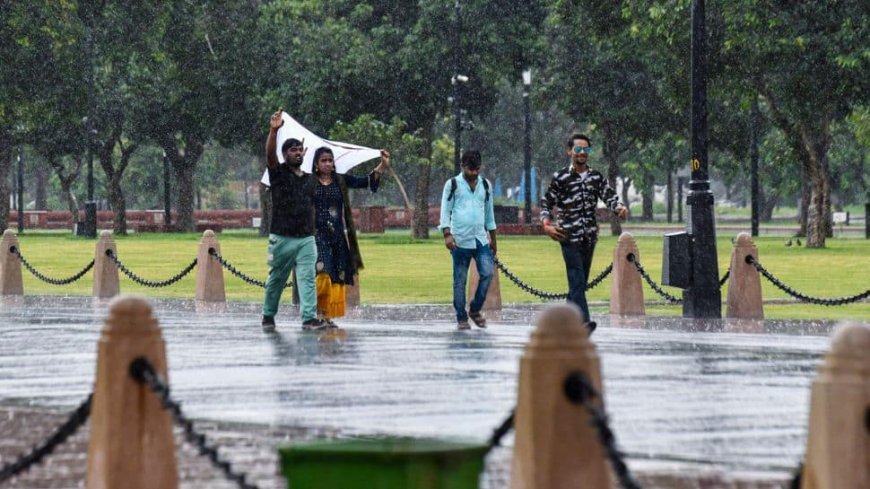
(346, 155)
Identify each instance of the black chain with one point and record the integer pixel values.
(143, 372)
(149, 283)
(579, 390)
(548, 295)
(237, 273)
(497, 434)
(54, 281)
(724, 278)
(838, 301)
(66, 430)
(672, 299)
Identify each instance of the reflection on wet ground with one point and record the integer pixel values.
(729, 393)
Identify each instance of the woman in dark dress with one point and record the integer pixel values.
(338, 257)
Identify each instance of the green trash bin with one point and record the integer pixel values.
(383, 463)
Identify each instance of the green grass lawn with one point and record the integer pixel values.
(401, 270)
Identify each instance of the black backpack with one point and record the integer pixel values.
(453, 189)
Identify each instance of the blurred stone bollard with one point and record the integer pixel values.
(106, 283)
(626, 292)
(209, 272)
(10, 266)
(744, 282)
(556, 446)
(131, 442)
(493, 295)
(838, 444)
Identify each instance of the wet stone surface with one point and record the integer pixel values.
(712, 399)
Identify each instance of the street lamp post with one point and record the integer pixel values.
(703, 297)
(90, 206)
(753, 157)
(167, 203)
(20, 185)
(527, 145)
(457, 113)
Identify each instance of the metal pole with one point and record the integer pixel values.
(20, 185)
(90, 205)
(167, 203)
(527, 148)
(703, 298)
(457, 114)
(753, 157)
(680, 183)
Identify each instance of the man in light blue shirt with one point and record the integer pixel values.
(468, 225)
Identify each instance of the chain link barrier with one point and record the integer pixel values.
(53, 281)
(548, 295)
(724, 278)
(837, 301)
(579, 390)
(78, 418)
(672, 299)
(149, 283)
(497, 434)
(237, 273)
(143, 372)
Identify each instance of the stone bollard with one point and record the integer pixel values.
(10, 266)
(744, 282)
(626, 292)
(838, 445)
(493, 295)
(555, 446)
(131, 441)
(209, 272)
(106, 283)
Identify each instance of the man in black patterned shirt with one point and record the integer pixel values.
(571, 200)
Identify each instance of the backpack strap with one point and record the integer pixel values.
(453, 189)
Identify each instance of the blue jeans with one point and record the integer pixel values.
(485, 265)
(578, 261)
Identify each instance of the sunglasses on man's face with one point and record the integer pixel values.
(582, 149)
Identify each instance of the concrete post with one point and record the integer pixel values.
(555, 446)
(10, 266)
(744, 282)
(838, 445)
(209, 272)
(351, 298)
(626, 292)
(106, 283)
(131, 442)
(493, 295)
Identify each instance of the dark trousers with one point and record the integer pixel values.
(578, 261)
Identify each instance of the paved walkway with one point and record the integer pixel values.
(721, 402)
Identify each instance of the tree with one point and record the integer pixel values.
(808, 63)
(196, 84)
(611, 88)
(355, 51)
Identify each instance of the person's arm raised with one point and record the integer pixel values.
(272, 141)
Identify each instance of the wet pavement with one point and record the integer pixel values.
(732, 396)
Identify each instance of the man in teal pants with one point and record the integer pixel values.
(291, 235)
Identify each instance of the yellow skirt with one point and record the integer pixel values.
(330, 296)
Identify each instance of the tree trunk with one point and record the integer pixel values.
(804, 204)
(420, 224)
(648, 197)
(768, 204)
(669, 195)
(816, 145)
(66, 182)
(5, 165)
(626, 183)
(611, 157)
(183, 162)
(42, 173)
